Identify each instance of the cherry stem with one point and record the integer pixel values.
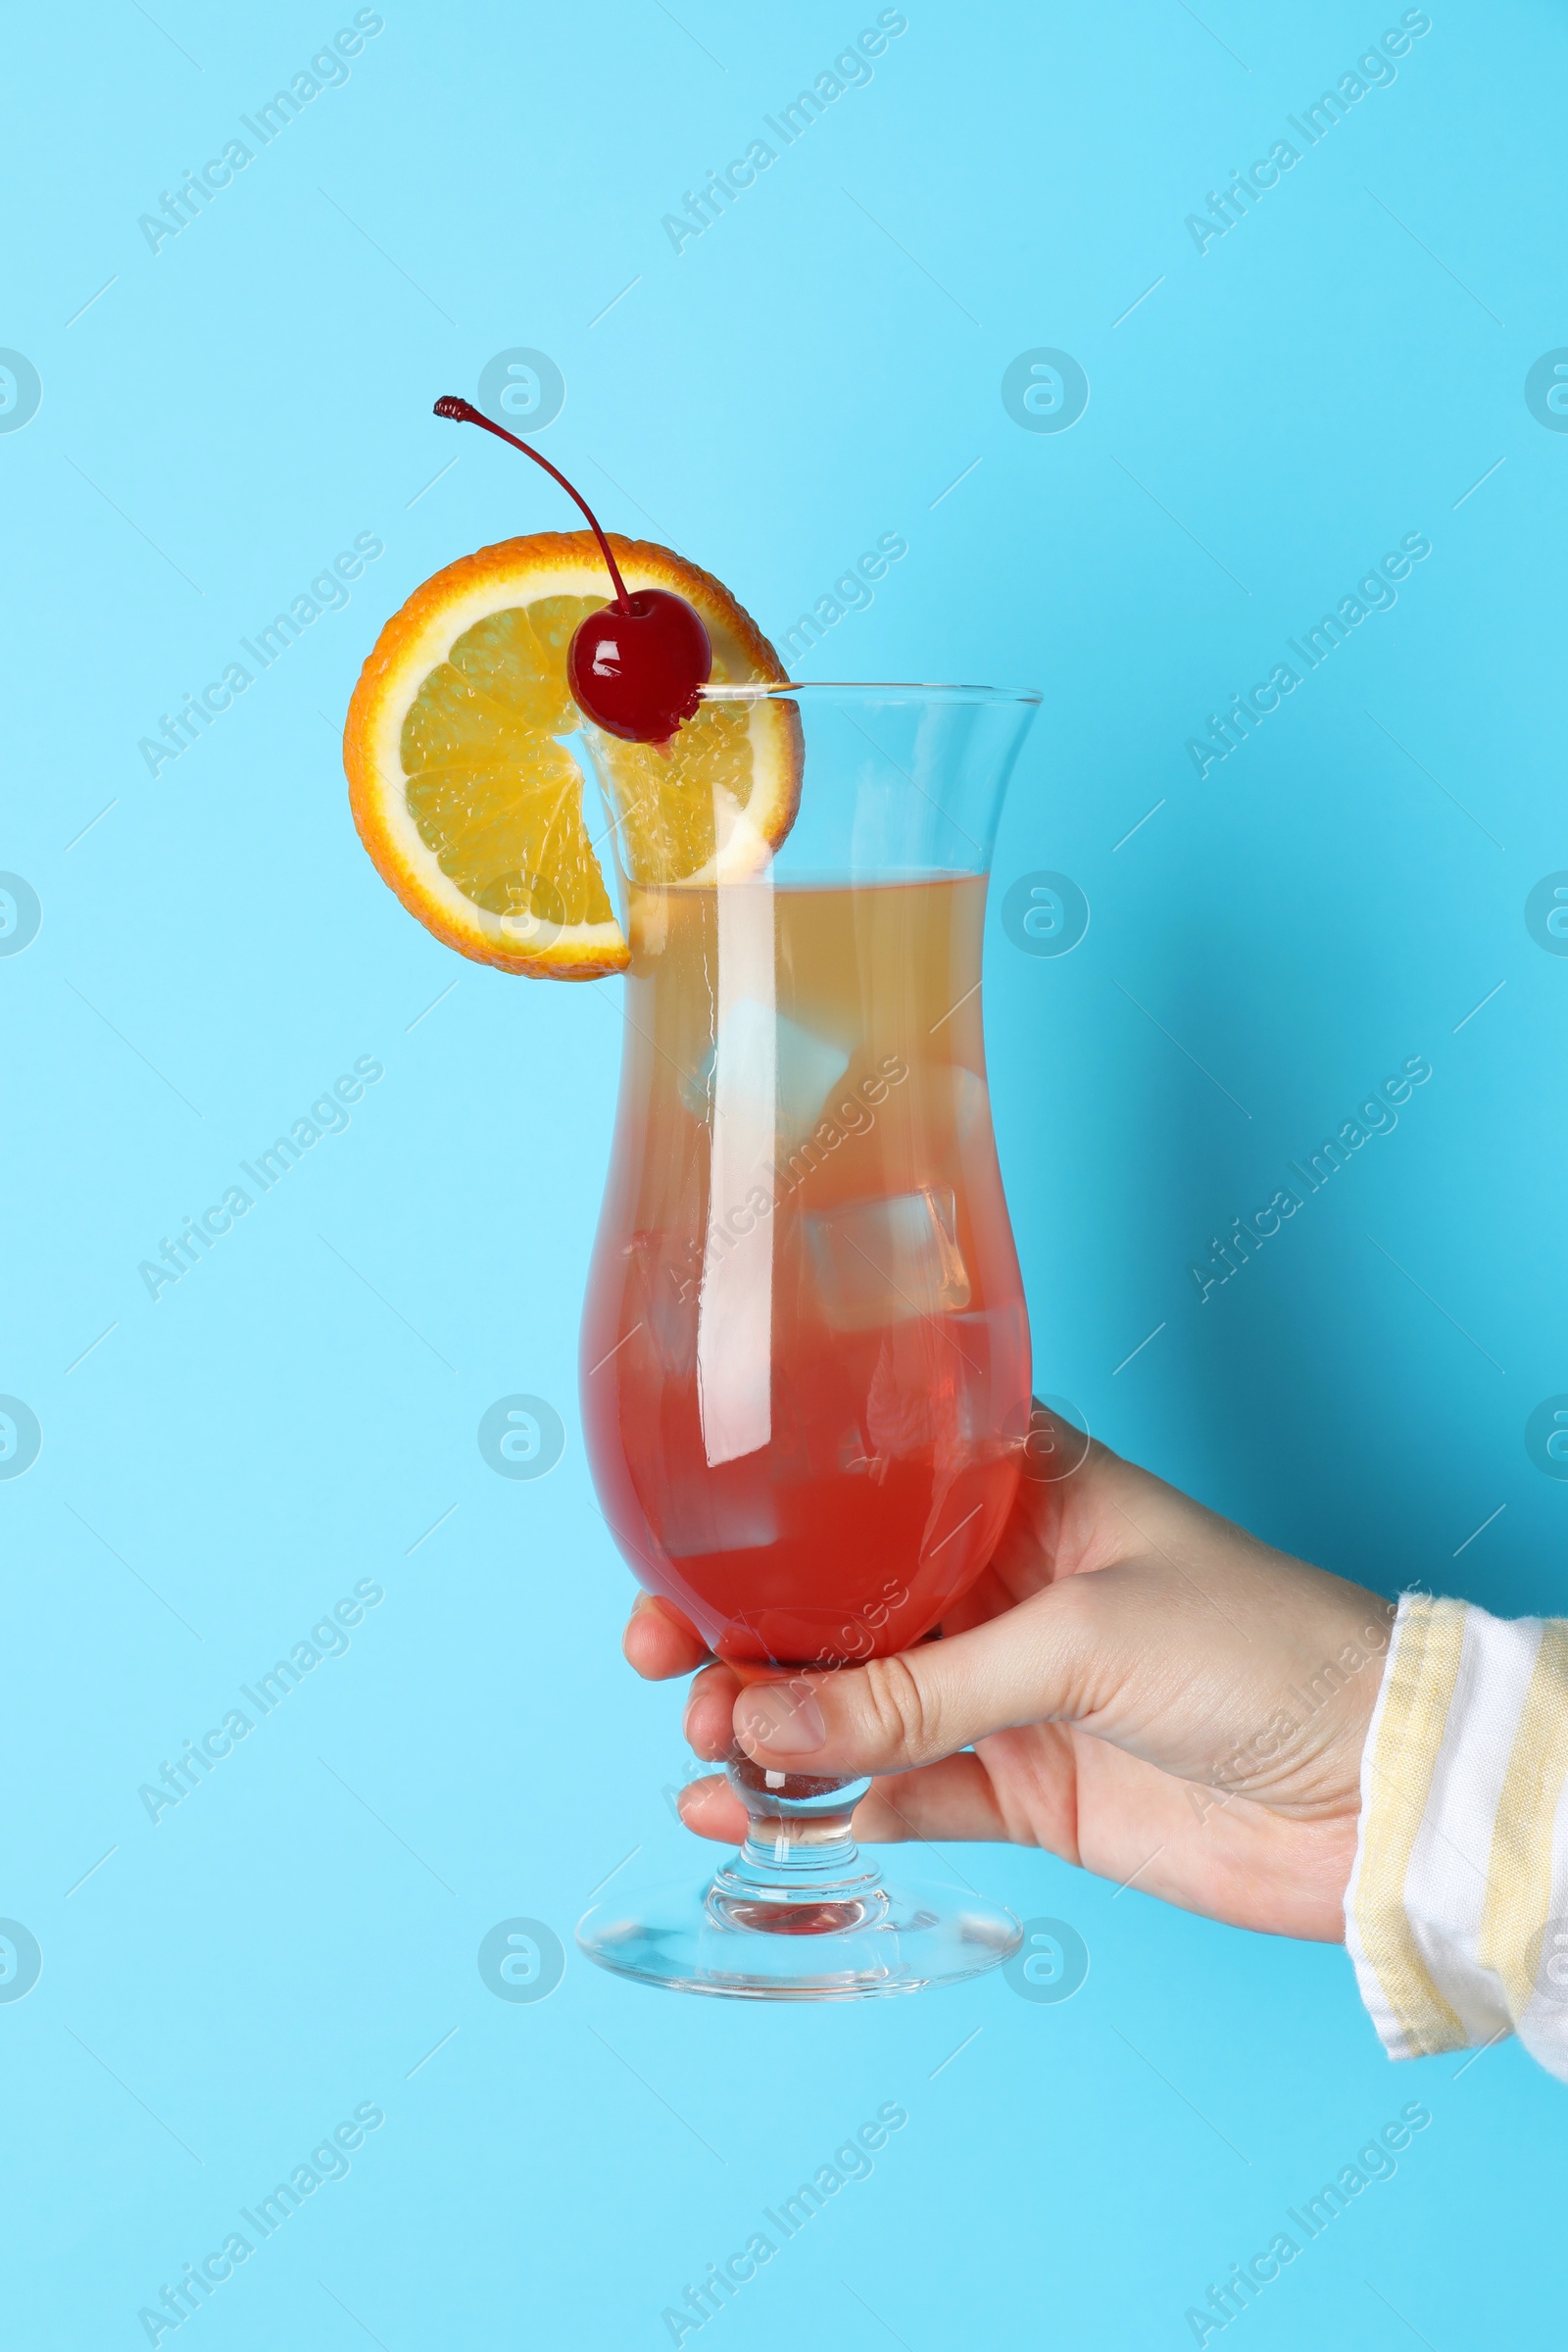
(451, 403)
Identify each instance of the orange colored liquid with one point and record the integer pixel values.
(805, 1350)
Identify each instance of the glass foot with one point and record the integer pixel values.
(900, 1940)
(799, 1914)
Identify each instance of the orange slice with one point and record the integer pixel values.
(468, 791)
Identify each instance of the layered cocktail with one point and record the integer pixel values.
(804, 1357)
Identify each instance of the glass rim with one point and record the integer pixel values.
(769, 690)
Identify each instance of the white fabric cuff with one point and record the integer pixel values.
(1456, 1913)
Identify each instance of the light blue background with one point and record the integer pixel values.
(815, 370)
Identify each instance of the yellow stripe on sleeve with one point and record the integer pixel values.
(1520, 1869)
(1415, 1711)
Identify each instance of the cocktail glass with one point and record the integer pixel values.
(804, 1365)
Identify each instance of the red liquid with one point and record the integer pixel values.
(804, 1353)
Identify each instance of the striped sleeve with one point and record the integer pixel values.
(1456, 1913)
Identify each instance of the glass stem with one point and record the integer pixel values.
(800, 1871)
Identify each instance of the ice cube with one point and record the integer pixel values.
(806, 1068)
(810, 1067)
(700, 1514)
(971, 1100)
(882, 1261)
(909, 1405)
(665, 1273)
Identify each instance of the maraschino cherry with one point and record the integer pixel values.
(637, 666)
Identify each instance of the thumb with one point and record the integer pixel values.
(1042, 1661)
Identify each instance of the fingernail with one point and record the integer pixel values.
(786, 1720)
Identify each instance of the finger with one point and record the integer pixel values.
(710, 1714)
(711, 1808)
(659, 1642)
(1052, 1658)
(951, 1799)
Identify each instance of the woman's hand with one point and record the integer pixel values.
(1148, 1691)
